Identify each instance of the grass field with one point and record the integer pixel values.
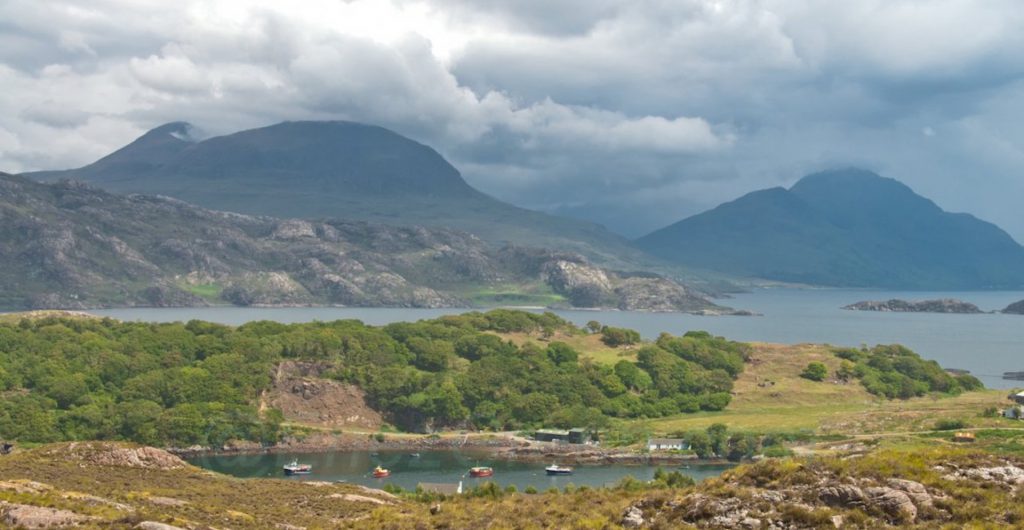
(770, 396)
(514, 295)
(209, 291)
(589, 345)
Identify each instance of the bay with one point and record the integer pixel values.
(449, 466)
(987, 344)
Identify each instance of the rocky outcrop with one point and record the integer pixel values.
(1016, 308)
(582, 284)
(1007, 475)
(653, 293)
(107, 454)
(28, 516)
(945, 305)
(806, 501)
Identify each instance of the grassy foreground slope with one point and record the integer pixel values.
(103, 485)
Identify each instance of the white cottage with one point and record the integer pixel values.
(667, 444)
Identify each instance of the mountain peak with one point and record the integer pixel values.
(849, 179)
(178, 130)
(849, 228)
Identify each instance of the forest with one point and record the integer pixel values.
(199, 383)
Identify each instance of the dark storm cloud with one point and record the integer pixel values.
(629, 113)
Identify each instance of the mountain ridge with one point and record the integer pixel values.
(337, 170)
(844, 228)
(74, 246)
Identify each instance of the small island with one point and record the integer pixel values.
(945, 305)
(1016, 308)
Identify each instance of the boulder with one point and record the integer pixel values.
(633, 518)
(844, 495)
(894, 503)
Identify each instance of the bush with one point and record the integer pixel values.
(615, 337)
(815, 371)
(530, 490)
(949, 425)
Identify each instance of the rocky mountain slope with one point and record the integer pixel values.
(945, 305)
(339, 170)
(69, 245)
(848, 228)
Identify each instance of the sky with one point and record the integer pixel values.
(631, 113)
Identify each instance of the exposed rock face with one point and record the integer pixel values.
(945, 305)
(582, 284)
(647, 293)
(75, 247)
(304, 396)
(1016, 308)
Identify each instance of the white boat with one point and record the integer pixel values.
(555, 469)
(295, 468)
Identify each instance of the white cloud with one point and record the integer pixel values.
(670, 104)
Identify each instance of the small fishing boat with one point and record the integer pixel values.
(414, 455)
(295, 468)
(555, 469)
(379, 472)
(481, 471)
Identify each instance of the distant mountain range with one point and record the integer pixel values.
(850, 228)
(336, 170)
(70, 245)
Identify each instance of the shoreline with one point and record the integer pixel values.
(501, 447)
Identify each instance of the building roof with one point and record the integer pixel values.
(665, 441)
(553, 431)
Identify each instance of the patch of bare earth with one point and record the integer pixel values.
(304, 396)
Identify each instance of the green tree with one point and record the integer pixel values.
(717, 437)
(815, 371)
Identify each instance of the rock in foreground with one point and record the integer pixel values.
(945, 305)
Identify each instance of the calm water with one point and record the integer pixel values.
(987, 345)
(432, 466)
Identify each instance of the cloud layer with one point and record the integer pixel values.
(632, 113)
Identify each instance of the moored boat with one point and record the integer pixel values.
(295, 468)
(379, 472)
(481, 471)
(555, 469)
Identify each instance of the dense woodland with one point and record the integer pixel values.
(199, 383)
(895, 371)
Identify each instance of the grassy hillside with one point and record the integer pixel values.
(107, 486)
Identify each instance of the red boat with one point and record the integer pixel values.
(481, 472)
(380, 472)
